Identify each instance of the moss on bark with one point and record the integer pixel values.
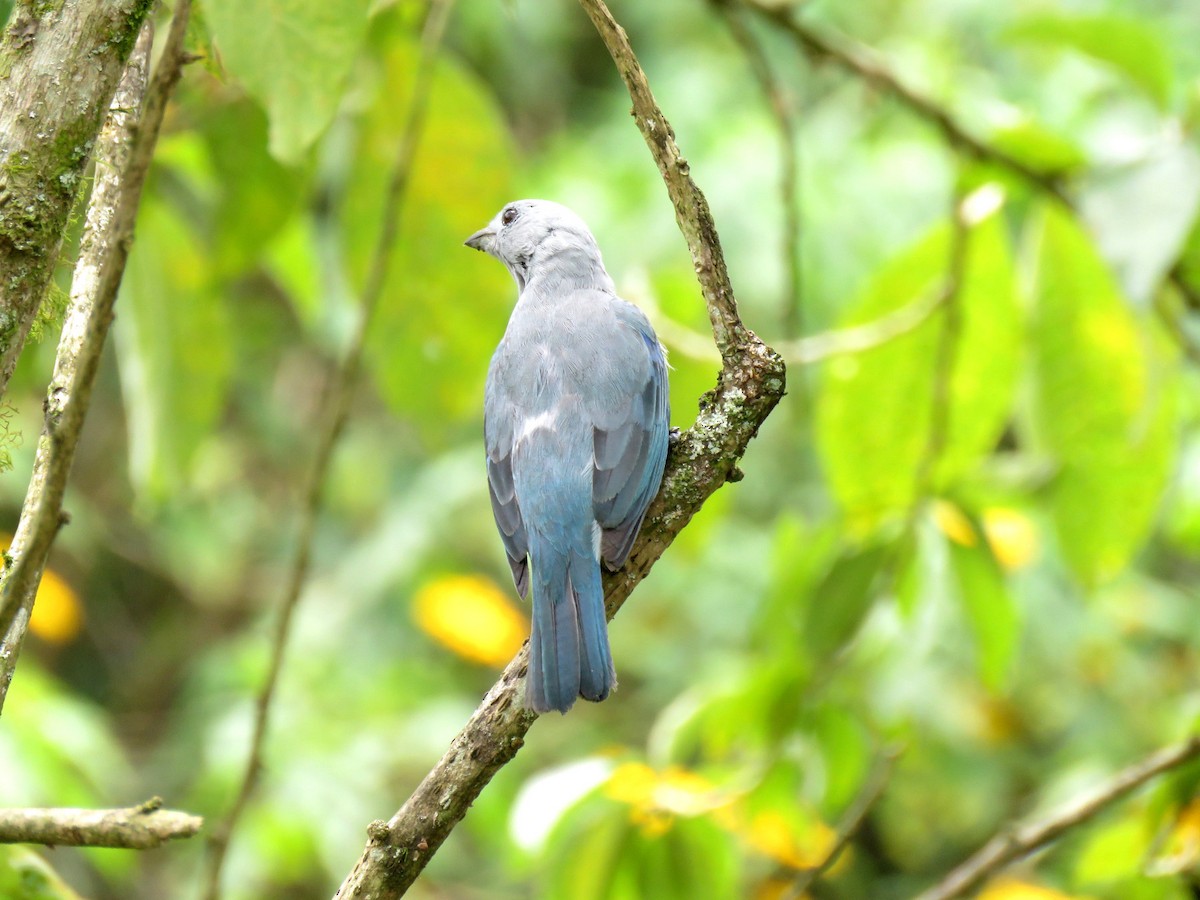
(78, 48)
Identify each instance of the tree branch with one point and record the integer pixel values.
(79, 47)
(805, 351)
(141, 827)
(700, 460)
(1173, 315)
(123, 157)
(856, 814)
(1017, 841)
(335, 409)
(863, 63)
(789, 164)
(691, 208)
(945, 353)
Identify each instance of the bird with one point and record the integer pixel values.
(576, 422)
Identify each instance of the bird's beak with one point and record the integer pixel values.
(481, 240)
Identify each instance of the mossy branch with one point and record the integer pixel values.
(123, 158)
(59, 66)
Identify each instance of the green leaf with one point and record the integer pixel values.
(988, 606)
(874, 411)
(444, 307)
(846, 748)
(255, 195)
(842, 599)
(173, 350)
(1129, 45)
(1115, 849)
(603, 850)
(801, 554)
(1039, 148)
(293, 56)
(1099, 407)
(24, 875)
(58, 749)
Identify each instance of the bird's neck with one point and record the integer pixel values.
(567, 269)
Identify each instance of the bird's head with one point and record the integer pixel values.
(539, 237)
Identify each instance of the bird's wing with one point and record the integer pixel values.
(498, 438)
(630, 442)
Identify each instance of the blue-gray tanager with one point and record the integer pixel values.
(575, 423)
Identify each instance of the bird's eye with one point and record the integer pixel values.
(510, 215)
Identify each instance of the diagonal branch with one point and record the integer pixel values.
(700, 460)
(852, 821)
(691, 208)
(335, 409)
(122, 160)
(141, 827)
(789, 163)
(946, 353)
(805, 351)
(1017, 841)
(60, 63)
(863, 63)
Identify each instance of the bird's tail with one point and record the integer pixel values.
(569, 655)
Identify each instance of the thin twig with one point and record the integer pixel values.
(61, 63)
(946, 351)
(1189, 292)
(855, 815)
(1173, 318)
(141, 827)
(335, 409)
(864, 63)
(806, 351)
(867, 336)
(699, 461)
(789, 164)
(691, 207)
(125, 148)
(1018, 841)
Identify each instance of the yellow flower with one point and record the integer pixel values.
(1014, 889)
(777, 837)
(1181, 852)
(776, 888)
(1012, 535)
(656, 798)
(472, 617)
(954, 523)
(57, 613)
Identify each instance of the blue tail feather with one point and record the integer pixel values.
(569, 656)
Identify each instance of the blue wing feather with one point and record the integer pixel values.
(507, 513)
(502, 490)
(624, 483)
(575, 425)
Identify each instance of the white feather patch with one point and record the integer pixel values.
(533, 423)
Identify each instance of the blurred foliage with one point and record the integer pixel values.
(1009, 603)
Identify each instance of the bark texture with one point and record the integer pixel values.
(59, 66)
(135, 828)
